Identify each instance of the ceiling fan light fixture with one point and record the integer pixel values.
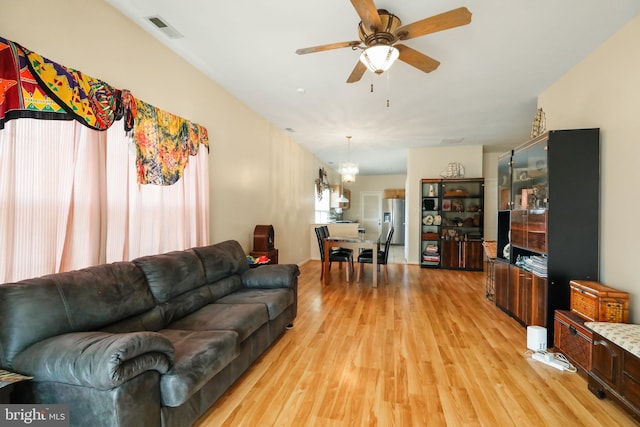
(379, 58)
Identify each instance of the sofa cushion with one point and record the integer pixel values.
(275, 300)
(222, 260)
(172, 274)
(72, 301)
(225, 286)
(199, 355)
(151, 320)
(241, 318)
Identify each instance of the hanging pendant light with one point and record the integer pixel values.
(343, 198)
(348, 169)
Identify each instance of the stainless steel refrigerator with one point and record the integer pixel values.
(393, 215)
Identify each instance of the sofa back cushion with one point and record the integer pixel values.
(82, 300)
(222, 260)
(225, 286)
(171, 274)
(177, 282)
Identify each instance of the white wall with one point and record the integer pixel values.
(258, 174)
(430, 162)
(604, 91)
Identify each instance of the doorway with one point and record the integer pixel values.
(371, 221)
(371, 211)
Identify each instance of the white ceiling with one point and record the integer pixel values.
(484, 91)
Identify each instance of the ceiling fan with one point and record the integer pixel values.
(380, 33)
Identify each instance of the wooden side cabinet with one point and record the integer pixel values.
(536, 300)
(521, 294)
(501, 275)
(615, 373)
(465, 255)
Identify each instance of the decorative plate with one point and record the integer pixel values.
(427, 220)
(437, 220)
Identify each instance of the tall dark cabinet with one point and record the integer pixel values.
(548, 223)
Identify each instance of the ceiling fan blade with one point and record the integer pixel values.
(416, 59)
(327, 47)
(368, 12)
(444, 21)
(357, 73)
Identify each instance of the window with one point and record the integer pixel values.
(323, 206)
(69, 199)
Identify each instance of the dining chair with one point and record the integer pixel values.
(366, 257)
(339, 255)
(325, 233)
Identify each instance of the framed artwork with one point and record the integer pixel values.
(446, 205)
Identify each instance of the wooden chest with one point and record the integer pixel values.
(573, 339)
(596, 302)
(615, 372)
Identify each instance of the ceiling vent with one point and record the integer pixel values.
(162, 25)
(452, 141)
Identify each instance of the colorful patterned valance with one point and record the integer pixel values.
(90, 100)
(164, 143)
(36, 87)
(20, 94)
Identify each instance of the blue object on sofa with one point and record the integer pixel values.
(151, 342)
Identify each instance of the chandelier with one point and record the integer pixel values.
(348, 169)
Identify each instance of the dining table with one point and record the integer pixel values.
(361, 241)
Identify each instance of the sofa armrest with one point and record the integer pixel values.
(95, 359)
(271, 276)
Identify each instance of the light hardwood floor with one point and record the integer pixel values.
(426, 349)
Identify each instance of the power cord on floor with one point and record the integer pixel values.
(556, 360)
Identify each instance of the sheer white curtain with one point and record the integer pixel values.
(69, 199)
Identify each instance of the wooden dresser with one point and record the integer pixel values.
(615, 364)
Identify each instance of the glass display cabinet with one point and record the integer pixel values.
(452, 228)
(548, 229)
(462, 224)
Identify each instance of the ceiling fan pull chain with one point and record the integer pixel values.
(388, 87)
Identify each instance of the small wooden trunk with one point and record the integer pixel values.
(596, 302)
(573, 339)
